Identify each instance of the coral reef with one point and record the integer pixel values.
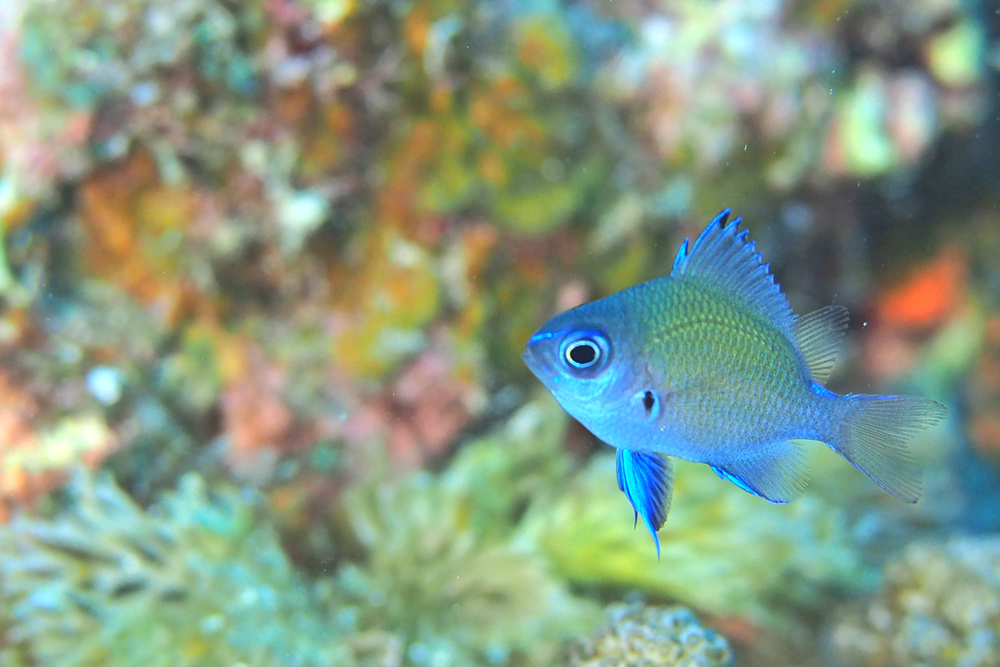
(197, 580)
(181, 74)
(939, 605)
(358, 201)
(635, 635)
(300, 244)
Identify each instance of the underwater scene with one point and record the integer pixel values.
(320, 344)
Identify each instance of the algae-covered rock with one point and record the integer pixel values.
(723, 550)
(196, 580)
(639, 636)
(939, 605)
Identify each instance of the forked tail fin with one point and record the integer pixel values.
(873, 435)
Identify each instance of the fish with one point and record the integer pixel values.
(711, 365)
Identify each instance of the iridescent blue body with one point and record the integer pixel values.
(710, 364)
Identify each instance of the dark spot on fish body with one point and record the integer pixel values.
(650, 402)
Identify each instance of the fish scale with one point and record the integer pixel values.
(710, 364)
(745, 366)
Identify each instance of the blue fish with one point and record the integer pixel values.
(711, 365)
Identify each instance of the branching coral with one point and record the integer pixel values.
(636, 636)
(196, 580)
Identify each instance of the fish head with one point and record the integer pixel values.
(583, 356)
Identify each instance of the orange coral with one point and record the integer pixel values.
(416, 27)
(384, 305)
(502, 109)
(329, 142)
(34, 457)
(127, 214)
(546, 47)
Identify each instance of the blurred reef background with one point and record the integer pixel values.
(267, 268)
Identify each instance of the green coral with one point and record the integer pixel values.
(503, 471)
(939, 605)
(723, 550)
(442, 568)
(200, 579)
(196, 580)
(638, 636)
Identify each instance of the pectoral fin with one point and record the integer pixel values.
(777, 474)
(646, 479)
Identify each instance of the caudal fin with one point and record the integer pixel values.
(873, 437)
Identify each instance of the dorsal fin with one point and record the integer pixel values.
(818, 335)
(722, 255)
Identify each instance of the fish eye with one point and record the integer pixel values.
(583, 353)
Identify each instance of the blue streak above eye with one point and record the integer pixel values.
(545, 335)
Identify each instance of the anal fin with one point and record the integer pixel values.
(778, 474)
(646, 479)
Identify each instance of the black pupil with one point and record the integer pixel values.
(583, 354)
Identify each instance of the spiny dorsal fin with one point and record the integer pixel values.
(818, 336)
(723, 256)
(646, 480)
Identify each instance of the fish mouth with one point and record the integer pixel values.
(538, 353)
(536, 364)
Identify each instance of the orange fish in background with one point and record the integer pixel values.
(924, 301)
(929, 296)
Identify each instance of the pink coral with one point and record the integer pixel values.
(256, 418)
(421, 412)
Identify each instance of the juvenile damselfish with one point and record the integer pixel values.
(711, 365)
